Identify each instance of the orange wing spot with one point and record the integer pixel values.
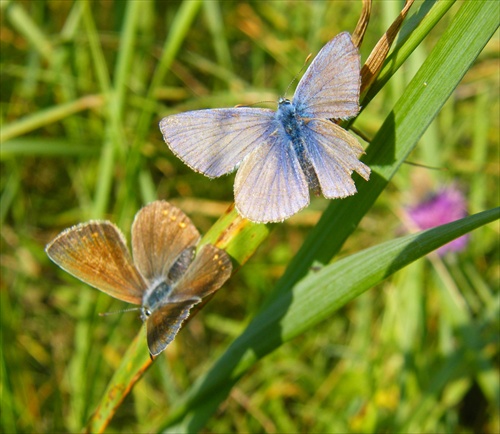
(173, 217)
(216, 256)
(95, 235)
(164, 212)
(182, 225)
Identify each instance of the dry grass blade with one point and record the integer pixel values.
(364, 19)
(375, 60)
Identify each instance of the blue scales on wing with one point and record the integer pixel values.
(334, 155)
(270, 185)
(214, 142)
(329, 89)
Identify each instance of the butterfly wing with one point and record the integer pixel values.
(207, 273)
(270, 186)
(161, 232)
(164, 323)
(214, 142)
(330, 86)
(96, 253)
(334, 155)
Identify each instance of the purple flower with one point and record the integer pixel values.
(445, 206)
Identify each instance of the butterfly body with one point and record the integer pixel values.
(289, 118)
(280, 156)
(166, 277)
(292, 123)
(154, 297)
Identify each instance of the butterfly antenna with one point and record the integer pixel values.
(298, 73)
(286, 91)
(132, 309)
(254, 103)
(443, 169)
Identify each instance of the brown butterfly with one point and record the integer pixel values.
(166, 277)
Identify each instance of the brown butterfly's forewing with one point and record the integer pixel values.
(164, 323)
(160, 233)
(96, 253)
(207, 273)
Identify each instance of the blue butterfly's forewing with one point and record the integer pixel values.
(334, 155)
(215, 141)
(330, 87)
(270, 185)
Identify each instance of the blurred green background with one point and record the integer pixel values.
(83, 87)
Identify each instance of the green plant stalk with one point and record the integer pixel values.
(180, 27)
(229, 232)
(216, 25)
(97, 55)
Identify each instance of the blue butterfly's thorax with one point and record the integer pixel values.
(155, 296)
(287, 116)
(293, 123)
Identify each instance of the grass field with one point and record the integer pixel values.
(312, 333)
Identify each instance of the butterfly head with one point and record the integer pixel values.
(287, 116)
(284, 102)
(145, 313)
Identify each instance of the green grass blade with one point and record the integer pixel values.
(425, 95)
(412, 35)
(27, 146)
(216, 26)
(137, 356)
(25, 25)
(312, 300)
(114, 140)
(180, 26)
(48, 116)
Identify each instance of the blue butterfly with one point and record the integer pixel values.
(281, 155)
